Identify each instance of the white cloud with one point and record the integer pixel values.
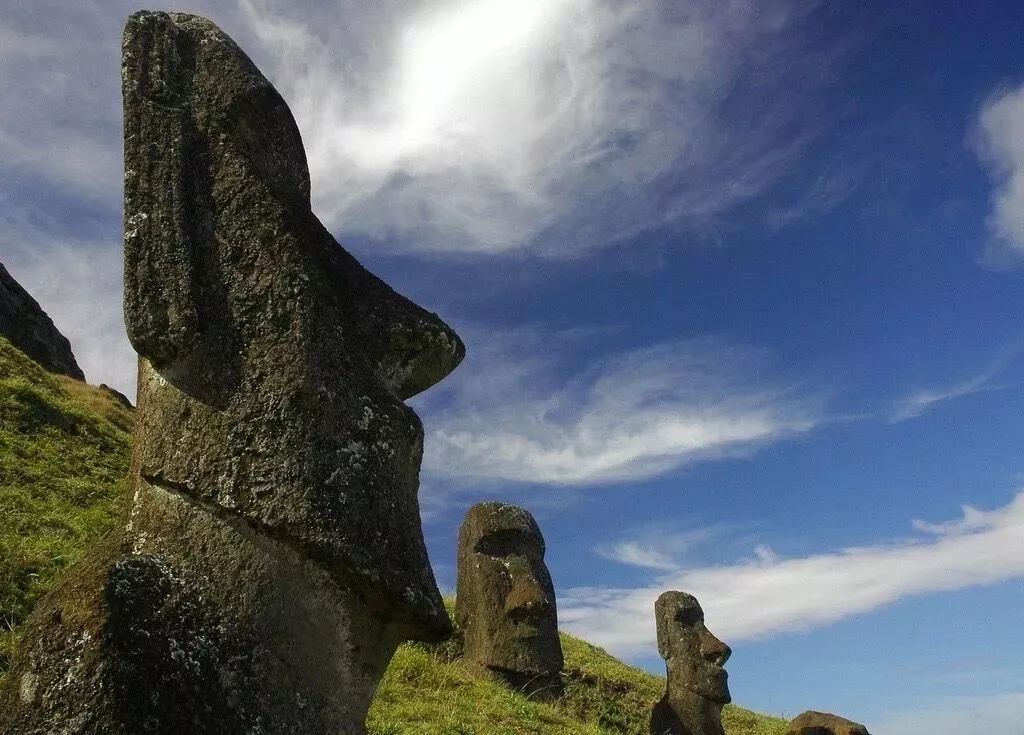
(557, 125)
(999, 139)
(659, 548)
(768, 595)
(510, 413)
(638, 554)
(995, 713)
(920, 401)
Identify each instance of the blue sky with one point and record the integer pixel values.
(740, 284)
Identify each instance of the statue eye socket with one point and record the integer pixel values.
(506, 543)
(688, 616)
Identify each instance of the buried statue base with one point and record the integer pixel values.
(273, 557)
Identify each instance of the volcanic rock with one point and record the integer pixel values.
(24, 323)
(697, 685)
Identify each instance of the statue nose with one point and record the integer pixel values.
(527, 598)
(713, 650)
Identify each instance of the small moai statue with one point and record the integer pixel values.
(505, 601)
(697, 685)
(273, 558)
(824, 723)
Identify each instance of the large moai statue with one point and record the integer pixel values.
(697, 684)
(273, 558)
(505, 601)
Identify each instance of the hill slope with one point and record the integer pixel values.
(427, 691)
(64, 451)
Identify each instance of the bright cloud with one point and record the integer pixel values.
(552, 125)
(509, 415)
(768, 595)
(1000, 143)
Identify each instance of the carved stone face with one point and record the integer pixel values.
(505, 601)
(274, 367)
(695, 658)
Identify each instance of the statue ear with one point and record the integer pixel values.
(159, 279)
(662, 627)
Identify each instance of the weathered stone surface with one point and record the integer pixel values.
(505, 601)
(273, 558)
(824, 723)
(24, 323)
(697, 684)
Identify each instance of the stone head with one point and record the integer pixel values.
(813, 722)
(695, 658)
(505, 601)
(273, 366)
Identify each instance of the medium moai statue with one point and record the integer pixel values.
(824, 723)
(273, 557)
(505, 601)
(697, 685)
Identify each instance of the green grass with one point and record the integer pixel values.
(64, 453)
(427, 691)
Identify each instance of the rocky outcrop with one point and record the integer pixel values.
(273, 558)
(505, 601)
(697, 684)
(824, 723)
(24, 323)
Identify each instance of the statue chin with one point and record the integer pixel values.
(713, 686)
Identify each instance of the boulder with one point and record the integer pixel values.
(824, 723)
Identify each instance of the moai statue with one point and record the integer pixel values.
(697, 684)
(505, 601)
(824, 723)
(273, 557)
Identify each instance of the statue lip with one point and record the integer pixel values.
(530, 635)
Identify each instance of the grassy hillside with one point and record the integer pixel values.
(427, 691)
(64, 451)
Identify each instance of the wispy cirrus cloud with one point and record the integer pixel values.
(767, 595)
(551, 125)
(658, 547)
(919, 401)
(555, 126)
(515, 412)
